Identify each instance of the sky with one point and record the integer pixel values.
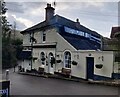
(97, 15)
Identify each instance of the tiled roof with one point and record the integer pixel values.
(80, 43)
(66, 22)
(61, 21)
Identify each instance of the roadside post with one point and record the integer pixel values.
(7, 75)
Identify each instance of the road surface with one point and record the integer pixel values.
(32, 85)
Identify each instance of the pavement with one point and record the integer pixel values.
(115, 83)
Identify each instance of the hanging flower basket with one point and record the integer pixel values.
(74, 63)
(32, 58)
(58, 61)
(99, 66)
(35, 58)
(43, 59)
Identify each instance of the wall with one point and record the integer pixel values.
(76, 70)
(25, 64)
(79, 70)
(59, 66)
(107, 62)
(80, 57)
(53, 36)
(37, 52)
(26, 39)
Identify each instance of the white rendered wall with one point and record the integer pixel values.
(26, 39)
(37, 52)
(52, 36)
(107, 62)
(24, 64)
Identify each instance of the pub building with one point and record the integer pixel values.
(60, 45)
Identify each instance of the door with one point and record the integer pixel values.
(51, 63)
(90, 67)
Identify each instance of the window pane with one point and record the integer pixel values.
(42, 58)
(67, 59)
(44, 36)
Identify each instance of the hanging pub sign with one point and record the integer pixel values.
(4, 91)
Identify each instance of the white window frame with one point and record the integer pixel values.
(67, 58)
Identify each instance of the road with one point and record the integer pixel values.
(32, 85)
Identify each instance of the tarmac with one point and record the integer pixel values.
(113, 82)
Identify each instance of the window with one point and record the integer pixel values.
(67, 59)
(77, 56)
(31, 35)
(42, 56)
(43, 37)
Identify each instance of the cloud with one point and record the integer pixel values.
(36, 12)
(26, 22)
(94, 4)
(19, 25)
(99, 16)
(62, 1)
(15, 7)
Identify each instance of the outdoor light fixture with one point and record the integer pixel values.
(58, 61)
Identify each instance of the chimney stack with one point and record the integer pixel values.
(49, 12)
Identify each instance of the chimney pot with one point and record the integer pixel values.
(48, 5)
(77, 20)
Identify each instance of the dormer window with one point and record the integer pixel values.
(43, 37)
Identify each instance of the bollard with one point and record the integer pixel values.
(7, 74)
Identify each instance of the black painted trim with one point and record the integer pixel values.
(44, 46)
(116, 75)
(99, 77)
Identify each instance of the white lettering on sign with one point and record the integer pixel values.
(3, 92)
(81, 33)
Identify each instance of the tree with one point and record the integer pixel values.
(10, 46)
(6, 30)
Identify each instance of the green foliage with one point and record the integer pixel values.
(10, 51)
(10, 47)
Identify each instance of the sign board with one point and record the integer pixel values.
(4, 91)
(81, 33)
